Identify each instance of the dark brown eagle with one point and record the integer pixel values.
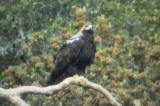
(73, 57)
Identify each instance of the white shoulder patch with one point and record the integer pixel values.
(72, 40)
(79, 34)
(75, 38)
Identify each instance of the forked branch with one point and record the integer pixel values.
(13, 94)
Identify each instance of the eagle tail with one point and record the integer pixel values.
(55, 76)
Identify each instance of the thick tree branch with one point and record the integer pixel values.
(13, 95)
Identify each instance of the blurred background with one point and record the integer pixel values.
(127, 36)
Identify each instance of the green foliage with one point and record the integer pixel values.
(128, 48)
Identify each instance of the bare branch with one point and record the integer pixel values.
(13, 95)
(14, 99)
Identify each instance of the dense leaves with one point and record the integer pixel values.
(127, 36)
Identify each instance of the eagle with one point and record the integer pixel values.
(74, 55)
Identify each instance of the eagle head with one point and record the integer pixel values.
(87, 29)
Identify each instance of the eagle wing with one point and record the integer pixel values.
(67, 56)
(68, 53)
